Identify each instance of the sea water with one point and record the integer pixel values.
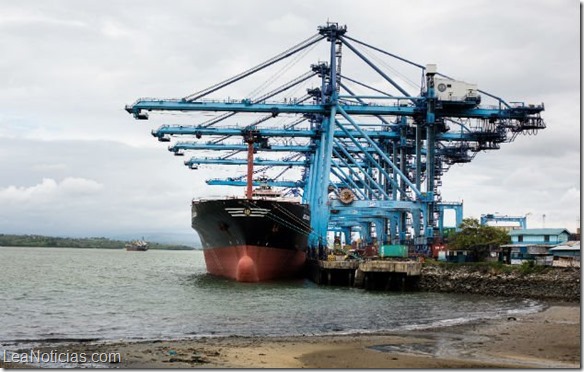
(67, 294)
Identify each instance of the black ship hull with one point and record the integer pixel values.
(252, 240)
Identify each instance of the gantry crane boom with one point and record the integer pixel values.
(389, 146)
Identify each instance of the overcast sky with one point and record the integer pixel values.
(73, 162)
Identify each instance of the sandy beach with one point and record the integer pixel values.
(549, 339)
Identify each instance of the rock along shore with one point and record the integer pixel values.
(552, 284)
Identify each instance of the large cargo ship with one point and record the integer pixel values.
(252, 239)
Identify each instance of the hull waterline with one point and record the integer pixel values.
(252, 240)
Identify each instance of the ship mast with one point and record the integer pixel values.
(250, 140)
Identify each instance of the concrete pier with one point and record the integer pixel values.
(371, 274)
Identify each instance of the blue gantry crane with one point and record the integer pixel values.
(370, 152)
(521, 220)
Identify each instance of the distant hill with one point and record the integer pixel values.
(10, 240)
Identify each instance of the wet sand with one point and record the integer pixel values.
(550, 339)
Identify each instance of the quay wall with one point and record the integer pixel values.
(552, 284)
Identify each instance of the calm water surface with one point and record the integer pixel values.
(63, 294)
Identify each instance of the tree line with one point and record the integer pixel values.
(10, 240)
(477, 238)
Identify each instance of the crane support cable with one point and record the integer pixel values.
(384, 52)
(259, 121)
(366, 86)
(216, 119)
(361, 101)
(304, 98)
(385, 64)
(266, 96)
(279, 73)
(281, 173)
(294, 123)
(374, 67)
(304, 44)
(221, 139)
(265, 168)
(285, 87)
(231, 154)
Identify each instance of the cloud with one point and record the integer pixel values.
(67, 144)
(49, 192)
(42, 192)
(571, 195)
(80, 186)
(94, 188)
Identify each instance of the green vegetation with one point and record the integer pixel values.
(477, 238)
(493, 267)
(53, 242)
(529, 267)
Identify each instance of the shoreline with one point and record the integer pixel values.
(546, 339)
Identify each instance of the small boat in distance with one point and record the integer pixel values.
(137, 245)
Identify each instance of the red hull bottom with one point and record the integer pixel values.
(251, 263)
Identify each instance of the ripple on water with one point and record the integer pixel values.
(109, 295)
